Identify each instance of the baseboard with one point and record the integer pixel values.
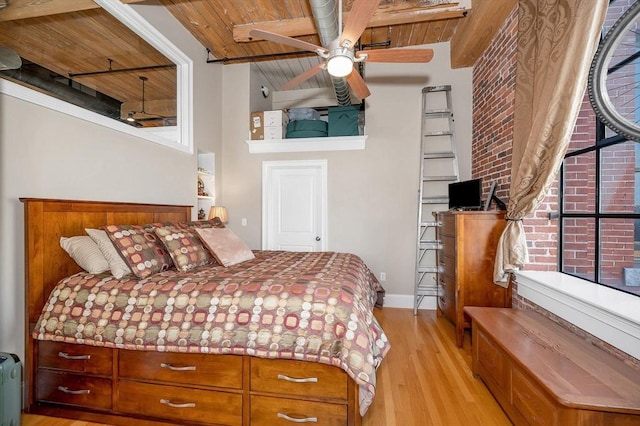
(406, 301)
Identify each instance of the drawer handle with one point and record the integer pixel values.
(294, 380)
(178, 368)
(294, 420)
(174, 405)
(73, 357)
(74, 392)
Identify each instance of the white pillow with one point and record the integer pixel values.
(225, 246)
(85, 252)
(117, 266)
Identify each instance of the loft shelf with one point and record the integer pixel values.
(334, 143)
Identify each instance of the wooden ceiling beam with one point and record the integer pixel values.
(474, 34)
(390, 15)
(23, 9)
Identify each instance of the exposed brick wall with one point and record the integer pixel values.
(493, 106)
(493, 96)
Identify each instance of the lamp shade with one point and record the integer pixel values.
(220, 212)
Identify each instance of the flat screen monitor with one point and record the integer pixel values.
(466, 195)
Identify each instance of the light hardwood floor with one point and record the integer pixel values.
(424, 380)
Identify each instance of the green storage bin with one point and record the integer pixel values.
(343, 120)
(307, 129)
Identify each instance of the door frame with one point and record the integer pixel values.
(267, 171)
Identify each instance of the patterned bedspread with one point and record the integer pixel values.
(306, 306)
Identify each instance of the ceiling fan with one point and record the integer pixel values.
(340, 56)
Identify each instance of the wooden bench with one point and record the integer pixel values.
(542, 374)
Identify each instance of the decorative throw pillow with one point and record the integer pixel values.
(226, 247)
(117, 266)
(184, 247)
(211, 223)
(85, 252)
(140, 248)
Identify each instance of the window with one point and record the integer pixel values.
(600, 197)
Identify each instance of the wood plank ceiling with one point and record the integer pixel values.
(71, 37)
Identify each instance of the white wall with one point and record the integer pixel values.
(44, 153)
(372, 193)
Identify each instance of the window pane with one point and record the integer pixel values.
(578, 247)
(617, 178)
(619, 264)
(579, 183)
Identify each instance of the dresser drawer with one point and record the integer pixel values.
(448, 224)
(181, 404)
(298, 378)
(192, 369)
(78, 358)
(448, 247)
(448, 308)
(266, 411)
(73, 389)
(446, 287)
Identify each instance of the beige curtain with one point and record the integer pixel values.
(556, 42)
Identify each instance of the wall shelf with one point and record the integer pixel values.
(334, 143)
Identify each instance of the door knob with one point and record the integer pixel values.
(317, 238)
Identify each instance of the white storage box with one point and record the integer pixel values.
(277, 118)
(274, 132)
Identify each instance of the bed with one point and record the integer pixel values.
(278, 339)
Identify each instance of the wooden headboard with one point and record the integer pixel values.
(45, 221)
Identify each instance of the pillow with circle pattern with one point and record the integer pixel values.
(184, 247)
(140, 248)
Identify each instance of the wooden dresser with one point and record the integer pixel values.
(465, 261)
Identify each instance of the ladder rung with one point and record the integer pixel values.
(439, 178)
(435, 200)
(446, 154)
(430, 245)
(438, 112)
(430, 224)
(429, 269)
(427, 291)
(439, 133)
(441, 88)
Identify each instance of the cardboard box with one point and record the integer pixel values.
(260, 120)
(256, 125)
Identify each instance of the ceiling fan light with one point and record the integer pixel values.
(340, 66)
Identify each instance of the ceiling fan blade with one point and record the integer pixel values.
(358, 85)
(304, 76)
(359, 17)
(289, 41)
(397, 55)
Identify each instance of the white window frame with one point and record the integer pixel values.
(179, 137)
(611, 315)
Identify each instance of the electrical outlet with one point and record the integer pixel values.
(383, 276)
(244, 221)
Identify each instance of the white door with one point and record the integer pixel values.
(294, 205)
